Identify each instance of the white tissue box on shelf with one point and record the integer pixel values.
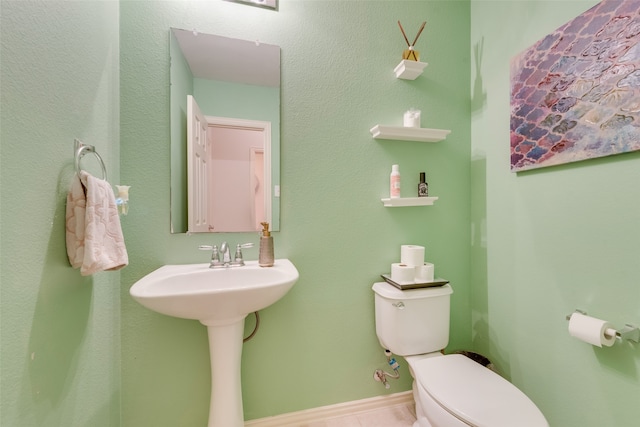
(411, 118)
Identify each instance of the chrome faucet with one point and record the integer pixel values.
(222, 257)
(224, 252)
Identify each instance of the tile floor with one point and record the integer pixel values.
(394, 416)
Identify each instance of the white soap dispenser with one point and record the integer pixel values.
(265, 257)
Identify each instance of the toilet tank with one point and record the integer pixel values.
(414, 321)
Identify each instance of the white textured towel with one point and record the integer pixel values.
(94, 236)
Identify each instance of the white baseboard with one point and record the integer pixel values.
(326, 412)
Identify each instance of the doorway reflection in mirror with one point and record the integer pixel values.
(236, 82)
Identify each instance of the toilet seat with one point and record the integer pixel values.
(474, 394)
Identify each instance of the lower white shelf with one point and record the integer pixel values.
(408, 201)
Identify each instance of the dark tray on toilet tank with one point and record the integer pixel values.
(404, 286)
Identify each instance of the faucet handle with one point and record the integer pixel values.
(239, 260)
(215, 255)
(213, 249)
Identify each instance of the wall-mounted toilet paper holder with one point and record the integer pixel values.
(629, 332)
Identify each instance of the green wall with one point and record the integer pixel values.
(522, 251)
(317, 346)
(549, 241)
(60, 338)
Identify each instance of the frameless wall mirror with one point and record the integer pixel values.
(225, 133)
(268, 4)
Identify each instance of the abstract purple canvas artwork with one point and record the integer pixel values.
(575, 94)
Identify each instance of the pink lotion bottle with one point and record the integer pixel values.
(394, 182)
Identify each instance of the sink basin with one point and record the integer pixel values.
(211, 295)
(219, 298)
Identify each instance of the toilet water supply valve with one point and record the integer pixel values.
(381, 376)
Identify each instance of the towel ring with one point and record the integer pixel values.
(81, 150)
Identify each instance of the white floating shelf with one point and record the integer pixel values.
(408, 134)
(409, 70)
(408, 201)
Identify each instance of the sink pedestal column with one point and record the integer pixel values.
(225, 351)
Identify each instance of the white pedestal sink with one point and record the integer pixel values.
(220, 299)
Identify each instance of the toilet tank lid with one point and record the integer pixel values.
(386, 290)
(475, 394)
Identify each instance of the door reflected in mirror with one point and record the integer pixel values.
(225, 133)
(228, 158)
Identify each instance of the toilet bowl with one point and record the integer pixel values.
(449, 390)
(453, 390)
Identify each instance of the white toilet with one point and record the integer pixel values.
(449, 390)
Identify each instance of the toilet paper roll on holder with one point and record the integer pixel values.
(629, 332)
